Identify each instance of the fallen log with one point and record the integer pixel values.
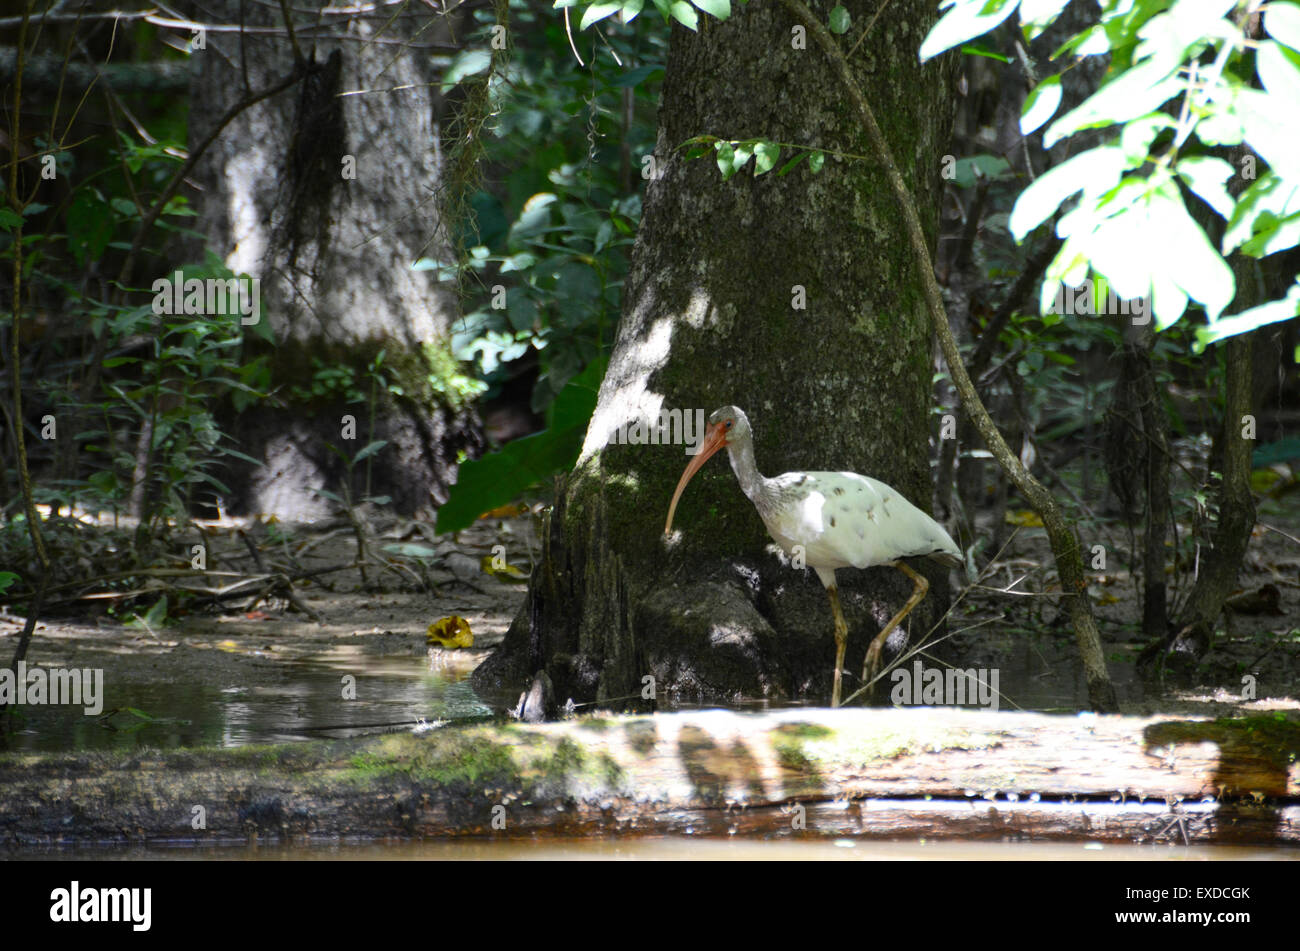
(934, 773)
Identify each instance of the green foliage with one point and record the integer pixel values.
(734, 154)
(330, 382)
(1186, 80)
(547, 251)
(497, 478)
(116, 371)
(153, 619)
(364, 454)
(167, 388)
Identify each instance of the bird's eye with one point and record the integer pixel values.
(728, 424)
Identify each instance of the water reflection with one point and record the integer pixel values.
(308, 703)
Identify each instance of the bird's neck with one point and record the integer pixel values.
(747, 474)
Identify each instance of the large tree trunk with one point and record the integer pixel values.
(326, 193)
(711, 316)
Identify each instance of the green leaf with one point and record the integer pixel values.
(720, 9)
(684, 14)
(839, 20)
(1038, 15)
(1282, 20)
(1272, 128)
(1266, 217)
(1137, 135)
(90, 226)
(1279, 70)
(1184, 258)
(518, 262)
(367, 451)
(1041, 104)
(1095, 170)
(597, 12)
(632, 9)
(1205, 176)
(1284, 309)
(967, 171)
(979, 49)
(792, 163)
(1282, 450)
(1135, 92)
(726, 158)
(156, 616)
(816, 161)
(634, 77)
(577, 401)
(466, 63)
(765, 156)
(498, 478)
(965, 20)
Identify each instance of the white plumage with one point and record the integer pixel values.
(834, 519)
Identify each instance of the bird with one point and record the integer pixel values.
(834, 519)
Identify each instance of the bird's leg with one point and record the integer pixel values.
(871, 664)
(841, 640)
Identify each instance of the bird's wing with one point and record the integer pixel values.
(842, 519)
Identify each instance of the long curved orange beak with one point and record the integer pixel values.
(715, 437)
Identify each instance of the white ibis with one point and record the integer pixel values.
(837, 519)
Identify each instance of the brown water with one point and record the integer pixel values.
(682, 848)
(391, 693)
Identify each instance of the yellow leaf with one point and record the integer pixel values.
(1025, 518)
(505, 511)
(450, 631)
(502, 572)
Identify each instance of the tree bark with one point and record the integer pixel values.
(1218, 566)
(1137, 463)
(1060, 533)
(714, 313)
(328, 194)
(934, 772)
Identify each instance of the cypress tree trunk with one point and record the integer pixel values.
(794, 298)
(323, 192)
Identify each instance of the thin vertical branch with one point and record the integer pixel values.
(15, 374)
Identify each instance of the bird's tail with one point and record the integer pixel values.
(947, 558)
(956, 558)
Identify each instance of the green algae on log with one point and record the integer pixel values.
(895, 773)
